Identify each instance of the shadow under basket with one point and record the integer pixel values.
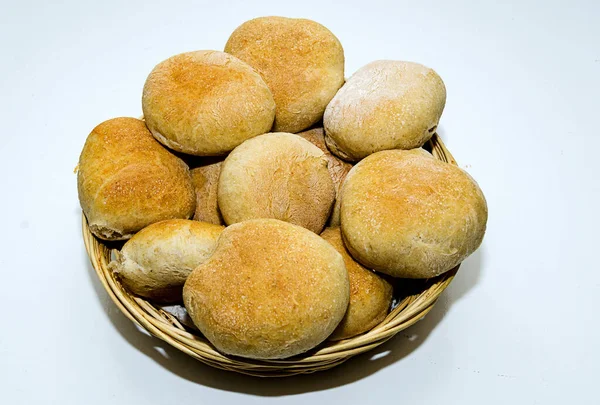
(411, 305)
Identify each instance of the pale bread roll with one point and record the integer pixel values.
(276, 175)
(301, 61)
(407, 214)
(384, 105)
(370, 295)
(126, 180)
(205, 179)
(338, 169)
(206, 103)
(270, 290)
(158, 259)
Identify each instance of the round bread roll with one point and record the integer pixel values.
(270, 290)
(276, 175)
(206, 181)
(156, 262)
(126, 180)
(370, 295)
(384, 105)
(301, 61)
(338, 169)
(206, 103)
(409, 215)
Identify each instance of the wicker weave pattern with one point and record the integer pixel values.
(164, 326)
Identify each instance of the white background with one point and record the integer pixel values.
(518, 325)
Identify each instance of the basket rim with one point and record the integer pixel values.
(166, 327)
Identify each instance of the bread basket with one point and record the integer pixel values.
(411, 305)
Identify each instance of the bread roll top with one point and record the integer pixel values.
(157, 260)
(407, 214)
(384, 105)
(126, 180)
(270, 290)
(370, 294)
(206, 103)
(280, 176)
(301, 61)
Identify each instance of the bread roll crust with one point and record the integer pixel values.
(126, 180)
(409, 215)
(270, 290)
(206, 103)
(157, 260)
(301, 61)
(370, 295)
(276, 175)
(206, 181)
(384, 105)
(338, 169)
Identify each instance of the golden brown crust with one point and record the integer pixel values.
(370, 295)
(276, 175)
(301, 61)
(206, 181)
(127, 180)
(338, 169)
(407, 214)
(384, 105)
(157, 260)
(206, 103)
(270, 290)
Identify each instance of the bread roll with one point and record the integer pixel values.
(270, 290)
(206, 103)
(156, 262)
(127, 180)
(338, 169)
(384, 105)
(370, 295)
(206, 181)
(279, 176)
(301, 61)
(407, 214)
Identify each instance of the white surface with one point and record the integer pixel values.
(519, 323)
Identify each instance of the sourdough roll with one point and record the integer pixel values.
(126, 180)
(270, 290)
(407, 214)
(206, 181)
(370, 295)
(156, 262)
(384, 105)
(276, 175)
(301, 61)
(206, 103)
(338, 169)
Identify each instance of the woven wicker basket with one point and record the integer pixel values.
(411, 306)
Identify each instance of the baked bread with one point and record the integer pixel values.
(270, 290)
(158, 259)
(206, 103)
(276, 175)
(127, 181)
(301, 61)
(384, 105)
(409, 215)
(370, 295)
(206, 181)
(338, 169)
